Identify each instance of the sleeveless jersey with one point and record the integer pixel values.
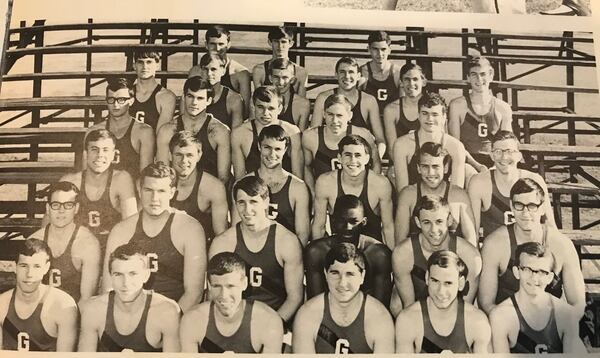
(477, 130)
(126, 157)
(405, 125)
(98, 216)
(332, 338)
(208, 160)
(499, 212)
(419, 268)
(146, 112)
(373, 226)
(456, 341)
(265, 275)
(280, 209)
(239, 342)
(414, 229)
(357, 117)
(326, 159)
(287, 115)
(384, 91)
(63, 273)
(26, 334)
(113, 341)
(226, 78)
(166, 263)
(253, 159)
(413, 174)
(218, 109)
(529, 340)
(190, 206)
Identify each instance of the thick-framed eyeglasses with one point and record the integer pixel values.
(499, 153)
(531, 207)
(67, 205)
(119, 100)
(530, 271)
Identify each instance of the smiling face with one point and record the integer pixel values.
(354, 159)
(282, 79)
(480, 78)
(226, 291)
(156, 195)
(443, 284)
(30, 270)
(412, 83)
(344, 280)
(432, 118)
(432, 170)
(534, 273)
(128, 277)
(252, 209)
(347, 76)
(506, 155)
(271, 152)
(184, 159)
(62, 217)
(337, 117)
(100, 155)
(434, 225)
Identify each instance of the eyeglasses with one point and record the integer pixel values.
(499, 153)
(530, 271)
(119, 100)
(68, 205)
(531, 207)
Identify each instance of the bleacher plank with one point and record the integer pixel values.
(55, 102)
(35, 166)
(573, 188)
(560, 150)
(583, 237)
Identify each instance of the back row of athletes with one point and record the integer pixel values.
(176, 244)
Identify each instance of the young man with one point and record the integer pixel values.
(281, 40)
(488, 190)
(433, 169)
(76, 261)
(409, 258)
(498, 253)
(347, 223)
(289, 196)
(135, 140)
(199, 194)
(227, 105)
(212, 133)
(320, 144)
(432, 116)
(107, 194)
(152, 104)
(273, 253)
(532, 320)
(151, 319)
(475, 118)
(355, 177)
(296, 109)
(365, 110)
(34, 316)
(228, 322)
(443, 322)
(343, 320)
(175, 241)
(244, 139)
(236, 76)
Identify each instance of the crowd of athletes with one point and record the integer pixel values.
(241, 220)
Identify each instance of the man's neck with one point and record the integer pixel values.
(538, 303)
(442, 314)
(96, 178)
(348, 93)
(258, 229)
(380, 66)
(438, 190)
(120, 122)
(217, 90)
(536, 234)
(509, 178)
(269, 174)
(435, 136)
(412, 100)
(31, 297)
(145, 84)
(329, 134)
(427, 246)
(197, 120)
(260, 125)
(61, 234)
(481, 97)
(235, 317)
(346, 307)
(133, 305)
(354, 181)
(155, 218)
(184, 180)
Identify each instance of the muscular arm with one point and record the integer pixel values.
(376, 126)
(219, 208)
(169, 324)
(66, 328)
(458, 165)
(390, 115)
(474, 192)
(454, 120)
(488, 281)
(570, 333)
(223, 154)
(467, 220)
(192, 331)
(194, 265)
(162, 143)
(473, 261)
(402, 265)
(383, 331)
(271, 334)
(405, 338)
(403, 216)
(146, 148)
(320, 215)
(387, 218)
(482, 333)
(304, 335)
(235, 109)
(258, 75)
(317, 116)
(243, 83)
(237, 153)
(309, 179)
(126, 194)
(573, 279)
(400, 165)
(293, 272)
(301, 81)
(296, 155)
(88, 334)
(166, 108)
(90, 267)
(303, 115)
(302, 212)
(500, 325)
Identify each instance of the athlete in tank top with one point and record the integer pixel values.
(226, 78)
(146, 112)
(357, 117)
(499, 212)
(287, 114)
(252, 161)
(238, 342)
(62, 272)
(456, 341)
(413, 163)
(529, 340)
(126, 157)
(218, 109)
(166, 263)
(326, 159)
(113, 341)
(331, 337)
(208, 160)
(419, 268)
(477, 130)
(190, 206)
(414, 229)
(280, 209)
(405, 125)
(385, 91)
(265, 275)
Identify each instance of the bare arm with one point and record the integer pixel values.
(88, 334)
(403, 216)
(194, 265)
(243, 80)
(386, 209)
(303, 115)
(383, 328)
(309, 179)
(506, 117)
(458, 166)
(317, 116)
(454, 121)
(271, 334)
(303, 340)
(297, 156)
(169, 324)
(402, 265)
(235, 108)
(293, 273)
(390, 116)
(219, 208)
(223, 154)
(500, 325)
(67, 328)
(467, 220)
(473, 261)
(162, 143)
(258, 75)
(400, 165)
(147, 142)
(570, 334)
(192, 331)
(237, 153)
(375, 157)
(126, 194)
(166, 108)
(405, 338)
(301, 212)
(90, 267)
(301, 81)
(488, 282)
(320, 215)
(474, 193)
(483, 334)
(376, 126)
(572, 276)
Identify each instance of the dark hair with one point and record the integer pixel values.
(409, 66)
(443, 258)
(504, 135)
(224, 263)
(280, 32)
(251, 185)
(197, 83)
(31, 247)
(143, 53)
(127, 251)
(477, 61)
(116, 83)
(433, 149)
(274, 131)
(65, 186)
(354, 139)
(281, 64)
(159, 170)
(217, 31)
(431, 202)
(337, 99)
(99, 134)
(348, 61)
(184, 139)
(266, 94)
(346, 202)
(526, 185)
(377, 36)
(344, 252)
(532, 248)
(208, 58)
(432, 99)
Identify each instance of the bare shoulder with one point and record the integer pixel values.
(454, 144)
(59, 299)
(120, 176)
(409, 192)
(496, 239)
(465, 247)
(323, 95)
(94, 305)
(142, 127)
(480, 180)
(312, 310)
(286, 239)
(242, 130)
(475, 316)
(363, 132)
(310, 136)
(375, 310)
(224, 242)
(264, 311)
(183, 221)
(411, 314)
(74, 178)
(403, 254)
(166, 94)
(290, 129)
(84, 239)
(301, 100)
(237, 67)
(326, 179)
(163, 305)
(209, 182)
(5, 298)
(458, 101)
(380, 181)
(216, 126)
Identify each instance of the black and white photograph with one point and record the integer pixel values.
(315, 177)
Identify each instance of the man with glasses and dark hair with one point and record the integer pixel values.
(75, 262)
(35, 316)
(532, 320)
(498, 253)
(135, 140)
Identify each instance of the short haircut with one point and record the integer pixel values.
(266, 94)
(409, 66)
(432, 99)
(354, 139)
(184, 139)
(251, 185)
(526, 185)
(343, 252)
(159, 170)
(197, 83)
(281, 32)
(224, 263)
(337, 99)
(346, 202)
(65, 186)
(443, 258)
(477, 61)
(31, 247)
(274, 131)
(281, 64)
(127, 251)
(433, 149)
(99, 134)
(532, 248)
(143, 53)
(117, 83)
(217, 31)
(378, 36)
(504, 135)
(431, 202)
(208, 58)
(348, 61)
